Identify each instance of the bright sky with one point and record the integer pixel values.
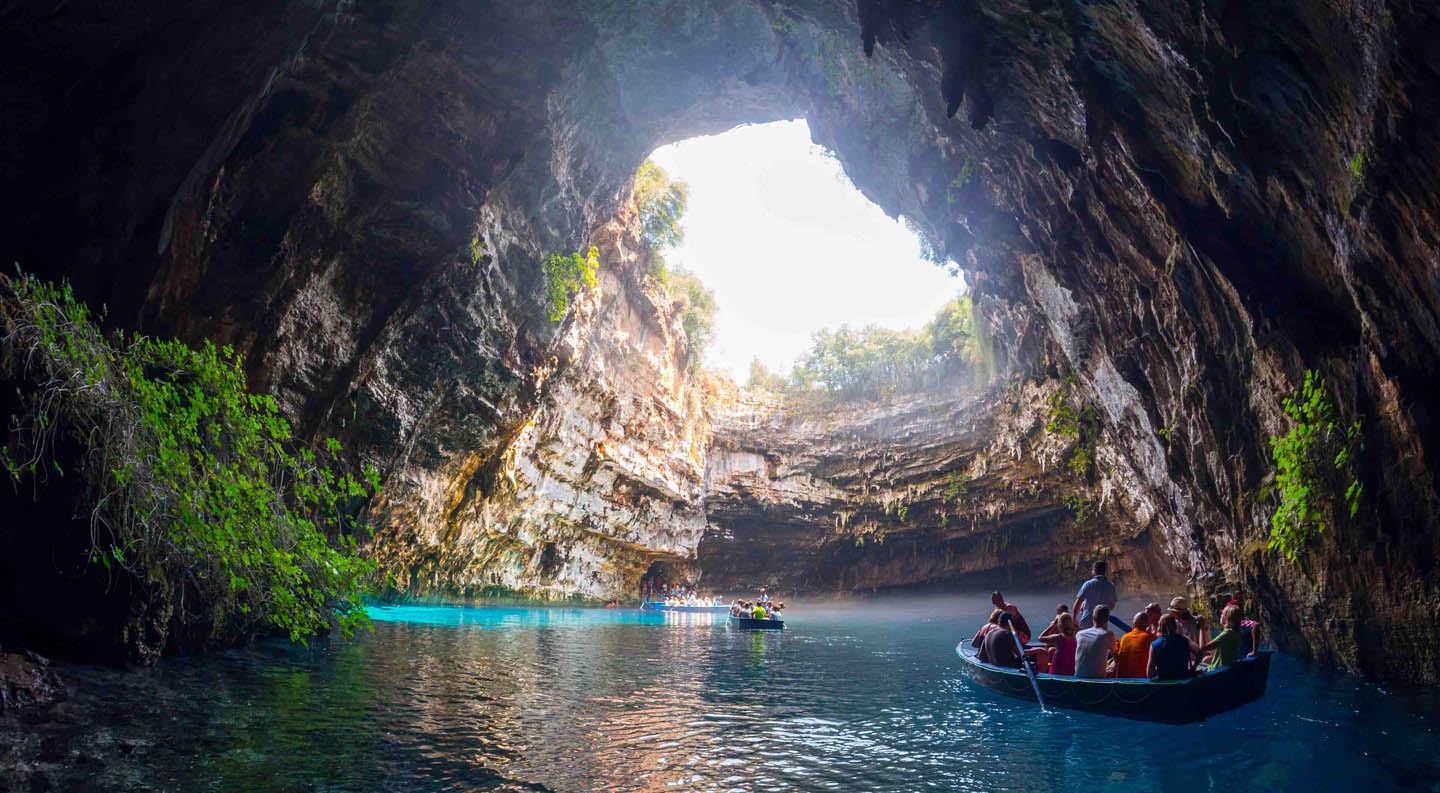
(790, 246)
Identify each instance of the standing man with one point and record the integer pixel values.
(764, 598)
(1098, 591)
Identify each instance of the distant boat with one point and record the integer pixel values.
(753, 624)
(1171, 701)
(659, 605)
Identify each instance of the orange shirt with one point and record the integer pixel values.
(1133, 658)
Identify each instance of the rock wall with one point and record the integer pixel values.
(1186, 205)
(957, 487)
(603, 479)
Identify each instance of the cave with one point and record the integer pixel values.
(1159, 211)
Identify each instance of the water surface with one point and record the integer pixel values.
(854, 698)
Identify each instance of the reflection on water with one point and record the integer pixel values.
(854, 698)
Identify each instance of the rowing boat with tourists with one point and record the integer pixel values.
(758, 615)
(1165, 667)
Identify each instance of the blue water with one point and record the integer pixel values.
(849, 698)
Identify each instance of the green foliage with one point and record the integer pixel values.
(1079, 506)
(1077, 423)
(661, 204)
(1316, 465)
(966, 175)
(1357, 164)
(957, 486)
(566, 276)
(698, 314)
(873, 361)
(191, 477)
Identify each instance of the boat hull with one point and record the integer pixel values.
(1171, 701)
(752, 624)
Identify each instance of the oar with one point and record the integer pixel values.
(1119, 623)
(1028, 671)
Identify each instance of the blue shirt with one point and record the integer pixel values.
(1095, 592)
(1171, 656)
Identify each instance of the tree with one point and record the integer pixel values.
(661, 203)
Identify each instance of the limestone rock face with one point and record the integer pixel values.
(957, 486)
(602, 479)
(1184, 206)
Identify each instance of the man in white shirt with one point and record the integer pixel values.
(1094, 647)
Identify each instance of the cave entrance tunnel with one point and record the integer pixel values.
(665, 575)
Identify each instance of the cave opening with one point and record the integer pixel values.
(789, 247)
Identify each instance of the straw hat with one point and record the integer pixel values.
(1179, 602)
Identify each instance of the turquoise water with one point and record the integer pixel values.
(849, 698)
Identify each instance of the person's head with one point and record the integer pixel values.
(1067, 624)
(1168, 625)
(997, 600)
(1102, 616)
(1005, 620)
(1142, 621)
(1100, 567)
(1180, 605)
(995, 616)
(1154, 610)
(1061, 608)
(1231, 617)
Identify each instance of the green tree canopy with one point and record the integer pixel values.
(869, 361)
(661, 203)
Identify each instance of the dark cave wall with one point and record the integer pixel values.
(1158, 195)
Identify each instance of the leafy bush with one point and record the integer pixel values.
(190, 477)
(566, 276)
(1077, 423)
(661, 203)
(873, 361)
(1316, 466)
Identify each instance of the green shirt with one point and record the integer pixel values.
(1227, 649)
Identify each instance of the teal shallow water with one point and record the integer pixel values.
(853, 698)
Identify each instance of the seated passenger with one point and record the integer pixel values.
(1094, 647)
(1133, 657)
(1226, 645)
(1169, 654)
(986, 628)
(1249, 633)
(999, 647)
(1153, 611)
(775, 612)
(1186, 623)
(759, 611)
(1062, 658)
(1021, 627)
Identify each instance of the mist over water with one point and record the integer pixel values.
(852, 696)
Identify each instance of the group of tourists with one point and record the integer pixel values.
(760, 609)
(692, 599)
(1161, 644)
(659, 589)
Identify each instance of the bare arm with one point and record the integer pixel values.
(1152, 672)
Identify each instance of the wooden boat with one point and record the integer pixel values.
(659, 605)
(753, 624)
(1170, 701)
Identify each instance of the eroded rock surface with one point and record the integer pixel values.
(1186, 205)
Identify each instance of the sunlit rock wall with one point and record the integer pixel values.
(955, 487)
(602, 479)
